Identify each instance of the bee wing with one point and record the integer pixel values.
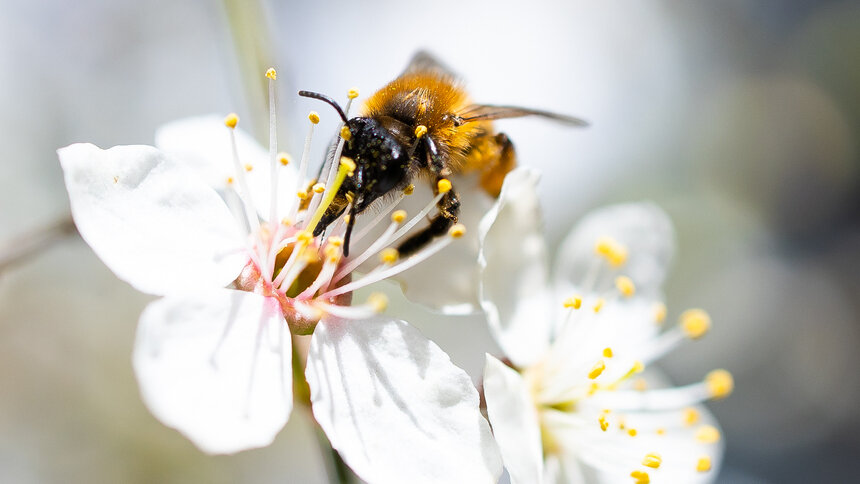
(487, 112)
(424, 62)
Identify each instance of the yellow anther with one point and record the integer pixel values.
(249, 167)
(457, 230)
(625, 286)
(621, 424)
(332, 253)
(304, 236)
(604, 424)
(661, 431)
(695, 323)
(652, 460)
(420, 131)
(619, 256)
(641, 477)
(319, 187)
(231, 120)
(720, 383)
(229, 180)
(443, 185)
(592, 389)
(349, 199)
(660, 312)
(398, 216)
(703, 464)
(707, 434)
(302, 194)
(286, 221)
(352, 93)
(378, 301)
(598, 305)
(574, 302)
(637, 367)
(347, 163)
(345, 133)
(314, 117)
(640, 385)
(607, 352)
(284, 158)
(335, 241)
(611, 250)
(271, 73)
(409, 189)
(632, 432)
(597, 369)
(691, 416)
(389, 255)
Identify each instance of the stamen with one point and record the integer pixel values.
(345, 133)
(695, 323)
(612, 250)
(720, 384)
(691, 416)
(417, 218)
(574, 302)
(607, 352)
(379, 243)
(597, 369)
(284, 158)
(604, 424)
(352, 94)
(598, 305)
(273, 149)
(708, 434)
(703, 464)
(641, 477)
(409, 189)
(659, 312)
(389, 256)
(652, 460)
(346, 166)
(443, 185)
(632, 432)
(625, 286)
(325, 275)
(319, 187)
(245, 194)
(457, 230)
(314, 118)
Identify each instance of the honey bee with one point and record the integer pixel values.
(422, 125)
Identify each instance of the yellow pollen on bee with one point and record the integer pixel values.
(640, 385)
(625, 286)
(691, 416)
(231, 120)
(604, 424)
(398, 216)
(229, 180)
(345, 133)
(597, 369)
(457, 230)
(695, 323)
(422, 108)
(352, 93)
(284, 158)
(304, 236)
(420, 131)
(409, 189)
(652, 460)
(720, 383)
(314, 117)
(574, 302)
(660, 312)
(249, 167)
(607, 352)
(632, 432)
(703, 464)
(598, 305)
(302, 194)
(319, 187)
(443, 185)
(378, 301)
(707, 434)
(641, 477)
(271, 73)
(389, 255)
(335, 241)
(661, 431)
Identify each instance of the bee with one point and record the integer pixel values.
(422, 125)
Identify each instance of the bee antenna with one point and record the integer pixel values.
(325, 99)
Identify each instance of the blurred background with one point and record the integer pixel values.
(740, 118)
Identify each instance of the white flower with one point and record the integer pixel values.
(213, 356)
(573, 404)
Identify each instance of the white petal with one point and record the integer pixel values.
(203, 143)
(514, 287)
(150, 220)
(395, 407)
(515, 422)
(643, 227)
(217, 367)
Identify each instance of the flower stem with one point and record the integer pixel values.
(27, 245)
(336, 469)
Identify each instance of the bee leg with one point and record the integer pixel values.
(448, 205)
(494, 176)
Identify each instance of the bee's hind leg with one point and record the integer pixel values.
(448, 205)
